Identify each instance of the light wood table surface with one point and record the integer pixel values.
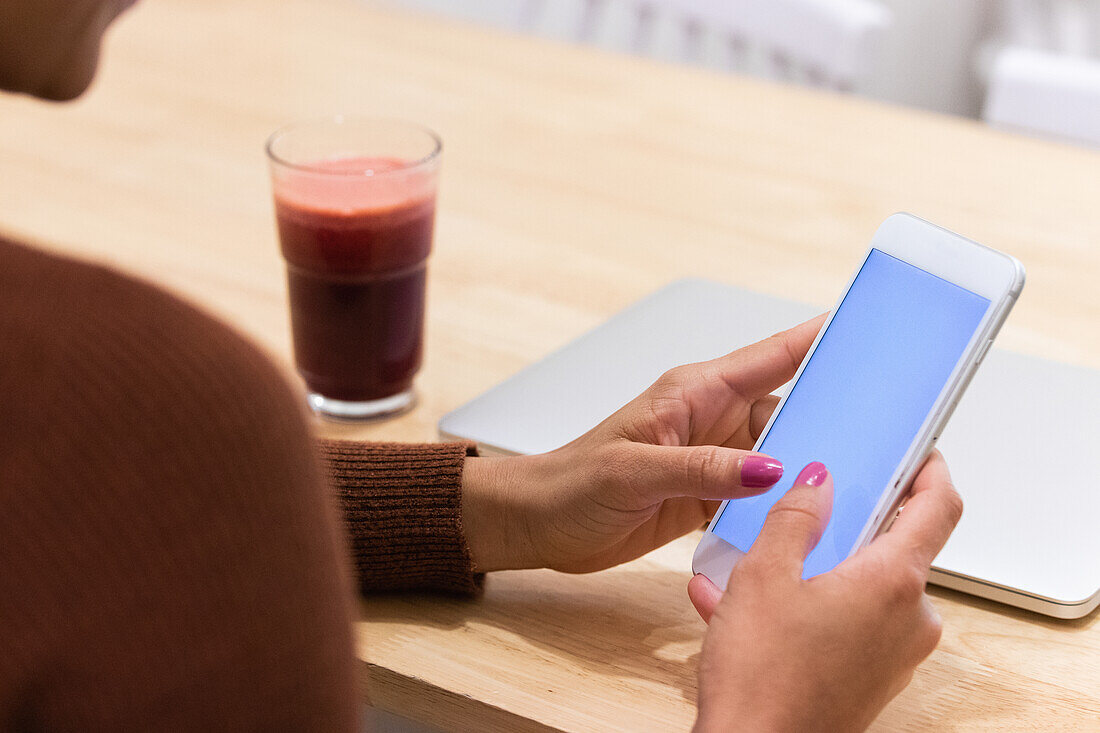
(574, 183)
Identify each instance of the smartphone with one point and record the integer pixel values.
(877, 386)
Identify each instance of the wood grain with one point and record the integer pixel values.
(575, 182)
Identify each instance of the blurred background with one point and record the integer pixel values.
(1028, 65)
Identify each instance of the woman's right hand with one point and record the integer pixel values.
(828, 653)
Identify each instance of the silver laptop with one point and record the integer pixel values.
(1029, 534)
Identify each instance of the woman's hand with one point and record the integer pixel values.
(828, 653)
(651, 472)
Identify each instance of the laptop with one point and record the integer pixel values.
(1028, 537)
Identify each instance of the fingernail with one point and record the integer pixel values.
(760, 471)
(813, 474)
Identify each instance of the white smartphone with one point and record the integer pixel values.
(877, 386)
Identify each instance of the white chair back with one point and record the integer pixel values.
(1046, 93)
(829, 43)
(822, 42)
(1063, 26)
(504, 13)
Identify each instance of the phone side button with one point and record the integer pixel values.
(943, 422)
(984, 350)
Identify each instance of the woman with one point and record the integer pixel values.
(169, 560)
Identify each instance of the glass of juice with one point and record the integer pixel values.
(355, 207)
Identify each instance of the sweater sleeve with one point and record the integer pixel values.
(402, 512)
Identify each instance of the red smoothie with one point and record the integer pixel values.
(356, 247)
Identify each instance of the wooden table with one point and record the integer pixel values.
(574, 183)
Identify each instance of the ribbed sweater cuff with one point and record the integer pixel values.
(402, 508)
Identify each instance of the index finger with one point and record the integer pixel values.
(930, 514)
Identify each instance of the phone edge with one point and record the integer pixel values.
(881, 517)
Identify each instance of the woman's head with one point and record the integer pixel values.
(50, 48)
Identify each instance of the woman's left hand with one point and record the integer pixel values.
(648, 474)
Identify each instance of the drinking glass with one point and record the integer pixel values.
(355, 207)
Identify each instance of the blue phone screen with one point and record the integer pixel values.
(861, 399)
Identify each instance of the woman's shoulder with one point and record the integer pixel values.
(81, 332)
(160, 479)
(53, 297)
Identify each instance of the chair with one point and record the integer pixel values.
(503, 13)
(1063, 26)
(828, 43)
(1045, 93)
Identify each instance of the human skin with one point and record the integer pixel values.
(655, 470)
(50, 48)
(651, 472)
(648, 474)
(828, 653)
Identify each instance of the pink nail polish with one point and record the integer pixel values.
(813, 474)
(758, 472)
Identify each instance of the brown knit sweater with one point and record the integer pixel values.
(170, 556)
